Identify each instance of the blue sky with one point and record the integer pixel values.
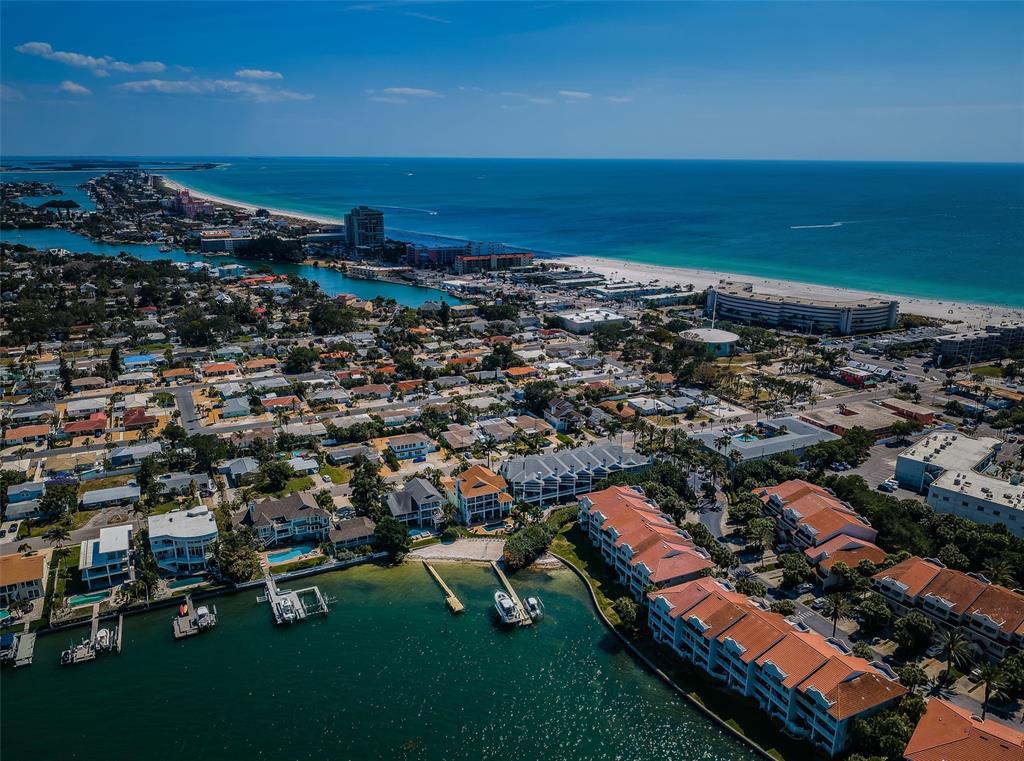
(890, 81)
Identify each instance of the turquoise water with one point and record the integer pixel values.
(290, 554)
(188, 582)
(330, 281)
(389, 675)
(4, 614)
(746, 437)
(88, 599)
(946, 231)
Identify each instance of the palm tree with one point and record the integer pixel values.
(995, 684)
(955, 648)
(837, 606)
(998, 572)
(57, 536)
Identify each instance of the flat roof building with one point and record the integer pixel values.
(588, 320)
(936, 453)
(720, 342)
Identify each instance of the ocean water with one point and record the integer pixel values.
(389, 674)
(946, 231)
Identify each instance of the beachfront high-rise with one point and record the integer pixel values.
(735, 300)
(364, 231)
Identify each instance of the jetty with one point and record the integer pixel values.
(193, 621)
(522, 615)
(295, 605)
(98, 641)
(453, 602)
(17, 649)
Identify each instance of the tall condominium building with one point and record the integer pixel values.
(733, 300)
(364, 231)
(978, 345)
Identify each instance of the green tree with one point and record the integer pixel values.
(759, 534)
(912, 676)
(301, 359)
(913, 631)
(837, 606)
(628, 612)
(368, 489)
(526, 545)
(59, 500)
(955, 648)
(114, 362)
(274, 476)
(537, 394)
(874, 614)
(58, 537)
(392, 537)
(994, 683)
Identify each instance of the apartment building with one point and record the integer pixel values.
(810, 515)
(977, 345)
(638, 540)
(811, 684)
(992, 616)
(947, 731)
(547, 479)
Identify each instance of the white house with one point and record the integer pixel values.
(181, 539)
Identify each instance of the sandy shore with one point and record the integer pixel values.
(968, 315)
(971, 315)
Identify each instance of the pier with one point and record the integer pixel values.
(521, 613)
(454, 604)
(193, 623)
(292, 606)
(98, 641)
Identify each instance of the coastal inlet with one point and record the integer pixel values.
(389, 674)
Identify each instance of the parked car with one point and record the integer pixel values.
(934, 651)
(818, 603)
(805, 588)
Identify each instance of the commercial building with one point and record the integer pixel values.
(977, 345)
(979, 498)
(992, 616)
(811, 684)
(625, 291)
(468, 263)
(546, 479)
(364, 231)
(589, 320)
(641, 543)
(22, 577)
(719, 342)
(181, 539)
(106, 561)
(734, 300)
(771, 437)
(929, 458)
(841, 418)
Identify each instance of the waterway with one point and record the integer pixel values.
(389, 674)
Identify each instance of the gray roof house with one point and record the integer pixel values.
(239, 470)
(418, 503)
(545, 479)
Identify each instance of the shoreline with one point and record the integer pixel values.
(970, 315)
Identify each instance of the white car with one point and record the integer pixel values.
(326, 478)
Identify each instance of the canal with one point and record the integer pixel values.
(389, 674)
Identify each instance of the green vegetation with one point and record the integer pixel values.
(526, 545)
(393, 537)
(338, 475)
(298, 565)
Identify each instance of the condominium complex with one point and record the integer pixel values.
(992, 342)
(992, 616)
(364, 231)
(809, 515)
(947, 731)
(734, 300)
(546, 479)
(812, 684)
(466, 263)
(642, 544)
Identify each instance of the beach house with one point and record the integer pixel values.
(106, 561)
(181, 539)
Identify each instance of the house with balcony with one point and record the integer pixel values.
(418, 503)
(810, 515)
(479, 496)
(107, 561)
(640, 542)
(181, 539)
(411, 446)
(22, 577)
(547, 479)
(280, 520)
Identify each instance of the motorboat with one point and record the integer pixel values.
(104, 640)
(506, 608)
(534, 608)
(287, 610)
(204, 618)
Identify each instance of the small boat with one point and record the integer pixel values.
(534, 608)
(287, 610)
(204, 618)
(505, 607)
(104, 641)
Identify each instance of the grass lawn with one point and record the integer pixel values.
(299, 564)
(173, 504)
(740, 713)
(78, 519)
(338, 475)
(299, 483)
(988, 371)
(104, 483)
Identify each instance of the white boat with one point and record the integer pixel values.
(204, 618)
(505, 607)
(287, 610)
(534, 608)
(103, 640)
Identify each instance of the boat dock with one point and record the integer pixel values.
(521, 613)
(454, 604)
(18, 648)
(291, 606)
(191, 623)
(99, 640)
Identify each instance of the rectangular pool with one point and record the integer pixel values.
(89, 599)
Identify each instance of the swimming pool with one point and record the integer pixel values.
(89, 599)
(290, 554)
(746, 437)
(4, 615)
(179, 583)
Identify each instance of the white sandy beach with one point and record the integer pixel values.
(968, 315)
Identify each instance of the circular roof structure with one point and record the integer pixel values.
(711, 336)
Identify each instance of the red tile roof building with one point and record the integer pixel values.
(950, 733)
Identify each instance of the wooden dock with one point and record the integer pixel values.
(454, 604)
(521, 613)
(290, 606)
(24, 649)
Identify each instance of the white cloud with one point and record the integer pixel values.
(387, 99)
(258, 74)
(619, 99)
(540, 100)
(507, 107)
(575, 94)
(8, 94)
(249, 90)
(411, 92)
(99, 65)
(73, 88)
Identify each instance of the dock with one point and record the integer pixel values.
(293, 606)
(190, 624)
(98, 641)
(521, 613)
(20, 651)
(453, 602)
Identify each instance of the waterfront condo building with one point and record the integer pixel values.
(364, 231)
(734, 300)
(947, 731)
(810, 515)
(992, 616)
(811, 684)
(479, 496)
(977, 345)
(181, 539)
(638, 540)
(547, 479)
(106, 561)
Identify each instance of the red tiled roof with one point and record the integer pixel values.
(949, 733)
